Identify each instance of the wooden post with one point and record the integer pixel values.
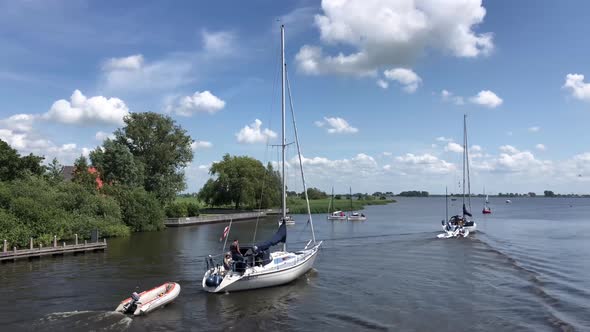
(40, 246)
(14, 248)
(104, 240)
(76, 239)
(31, 244)
(5, 246)
(85, 242)
(55, 241)
(64, 244)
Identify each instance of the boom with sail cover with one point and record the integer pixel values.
(279, 237)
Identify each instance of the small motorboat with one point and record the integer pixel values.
(355, 216)
(150, 300)
(288, 221)
(337, 215)
(508, 201)
(486, 210)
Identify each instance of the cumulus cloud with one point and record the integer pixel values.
(392, 33)
(335, 125)
(540, 147)
(219, 42)
(254, 133)
(443, 139)
(475, 148)
(579, 89)
(18, 122)
(199, 102)
(81, 110)
(132, 62)
(382, 84)
(509, 149)
(487, 99)
(454, 147)
(406, 77)
(534, 129)
(101, 136)
(425, 163)
(134, 73)
(448, 96)
(197, 145)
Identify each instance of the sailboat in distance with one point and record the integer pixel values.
(336, 214)
(462, 225)
(355, 216)
(486, 208)
(256, 266)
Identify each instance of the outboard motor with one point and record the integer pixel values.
(130, 307)
(213, 280)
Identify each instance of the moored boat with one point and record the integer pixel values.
(150, 300)
(352, 215)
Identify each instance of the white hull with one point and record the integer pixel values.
(456, 233)
(153, 299)
(354, 218)
(284, 268)
(288, 221)
(336, 217)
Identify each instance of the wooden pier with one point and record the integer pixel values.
(32, 252)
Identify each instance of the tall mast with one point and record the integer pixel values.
(283, 141)
(350, 212)
(467, 165)
(464, 149)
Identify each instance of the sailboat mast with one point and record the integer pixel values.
(446, 205)
(283, 141)
(350, 212)
(467, 164)
(464, 149)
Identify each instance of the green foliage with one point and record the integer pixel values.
(82, 176)
(315, 193)
(177, 210)
(162, 147)
(117, 165)
(54, 172)
(242, 181)
(13, 166)
(35, 207)
(193, 209)
(548, 193)
(414, 193)
(140, 210)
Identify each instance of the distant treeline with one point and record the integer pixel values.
(414, 193)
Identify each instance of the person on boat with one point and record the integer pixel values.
(234, 248)
(227, 261)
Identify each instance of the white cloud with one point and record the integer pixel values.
(133, 73)
(18, 122)
(254, 133)
(335, 125)
(82, 110)
(443, 139)
(199, 102)
(197, 145)
(382, 84)
(406, 77)
(540, 147)
(393, 33)
(425, 163)
(577, 87)
(219, 42)
(448, 96)
(486, 98)
(509, 149)
(454, 147)
(132, 62)
(475, 148)
(101, 136)
(534, 129)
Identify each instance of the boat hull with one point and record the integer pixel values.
(353, 218)
(336, 218)
(153, 299)
(267, 277)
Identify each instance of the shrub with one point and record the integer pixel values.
(140, 209)
(192, 209)
(176, 210)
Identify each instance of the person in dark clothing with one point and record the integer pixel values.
(234, 248)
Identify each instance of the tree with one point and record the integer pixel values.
(548, 193)
(140, 210)
(54, 171)
(242, 181)
(117, 165)
(315, 193)
(164, 149)
(13, 166)
(82, 174)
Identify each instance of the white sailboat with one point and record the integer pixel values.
(486, 204)
(335, 215)
(352, 215)
(259, 267)
(462, 225)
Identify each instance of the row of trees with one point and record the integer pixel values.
(414, 193)
(124, 187)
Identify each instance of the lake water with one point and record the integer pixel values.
(526, 269)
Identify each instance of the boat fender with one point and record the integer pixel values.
(213, 280)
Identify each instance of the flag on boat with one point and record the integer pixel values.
(465, 212)
(225, 232)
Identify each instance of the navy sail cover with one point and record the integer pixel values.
(465, 212)
(280, 236)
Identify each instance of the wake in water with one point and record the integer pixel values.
(83, 320)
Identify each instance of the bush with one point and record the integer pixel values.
(176, 210)
(192, 209)
(140, 209)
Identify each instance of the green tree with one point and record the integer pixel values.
(13, 166)
(117, 165)
(241, 181)
(548, 193)
(315, 193)
(164, 149)
(140, 210)
(54, 171)
(82, 175)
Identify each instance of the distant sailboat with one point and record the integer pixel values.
(337, 214)
(461, 225)
(355, 216)
(486, 208)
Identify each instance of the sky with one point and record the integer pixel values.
(379, 87)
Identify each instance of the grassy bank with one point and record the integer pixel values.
(297, 205)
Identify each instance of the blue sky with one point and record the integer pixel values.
(380, 87)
